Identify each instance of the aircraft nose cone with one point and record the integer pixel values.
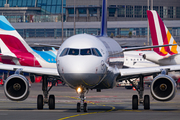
(80, 65)
(86, 72)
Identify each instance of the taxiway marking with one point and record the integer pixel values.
(112, 108)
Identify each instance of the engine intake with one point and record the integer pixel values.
(163, 88)
(16, 87)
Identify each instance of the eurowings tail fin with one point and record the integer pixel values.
(10, 40)
(104, 19)
(160, 35)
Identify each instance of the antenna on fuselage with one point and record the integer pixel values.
(104, 19)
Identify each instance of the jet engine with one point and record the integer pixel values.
(163, 88)
(16, 87)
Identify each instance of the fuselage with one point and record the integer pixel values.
(36, 58)
(134, 59)
(82, 59)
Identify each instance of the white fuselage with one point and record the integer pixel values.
(134, 59)
(88, 70)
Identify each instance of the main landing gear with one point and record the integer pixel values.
(82, 104)
(45, 100)
(140, 89)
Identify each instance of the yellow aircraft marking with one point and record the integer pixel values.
(112, 108)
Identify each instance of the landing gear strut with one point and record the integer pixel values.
(82, 104)
(51, 100)
(140, 88)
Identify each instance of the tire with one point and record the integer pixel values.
(40, 102)
(78, 107)
(134, 102)
(85, 107)
(51, 102)
(146, 102)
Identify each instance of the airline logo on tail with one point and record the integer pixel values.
(160, 35)
(14, 49)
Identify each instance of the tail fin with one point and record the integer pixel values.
(10, 40)
(160, 35)
(104, 18)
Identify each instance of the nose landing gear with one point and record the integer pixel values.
(82, 104)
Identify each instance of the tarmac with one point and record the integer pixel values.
(110, 104)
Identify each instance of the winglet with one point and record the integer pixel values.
(104, 18)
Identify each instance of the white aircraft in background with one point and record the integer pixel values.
(168, 55)
(134, 59)
(83, 63)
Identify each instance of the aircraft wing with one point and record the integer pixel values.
(146, 71)
(35, 70)
(145, 47)
(169, 57)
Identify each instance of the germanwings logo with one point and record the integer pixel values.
(160, 35)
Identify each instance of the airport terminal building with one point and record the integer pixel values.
(40, 20)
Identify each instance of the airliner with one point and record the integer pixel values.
(83, 63)
(15, 51)
(159, 56)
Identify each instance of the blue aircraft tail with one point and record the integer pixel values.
(104, 18)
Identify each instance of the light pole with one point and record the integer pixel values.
(151, 4)
(35, 3)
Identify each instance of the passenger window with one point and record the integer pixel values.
(73, 52)
(64, 52)
(96, 52)
(85, 52)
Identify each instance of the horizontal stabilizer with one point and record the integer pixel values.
(145, 47)
(7, 57)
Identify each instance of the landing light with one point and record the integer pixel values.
(79, 90)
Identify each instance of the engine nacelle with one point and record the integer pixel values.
(16, 87)
(163, 88)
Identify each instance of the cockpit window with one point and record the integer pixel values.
(88, 51)
(64, 52)
(85, 52)
(96, 52)
(73, 52)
